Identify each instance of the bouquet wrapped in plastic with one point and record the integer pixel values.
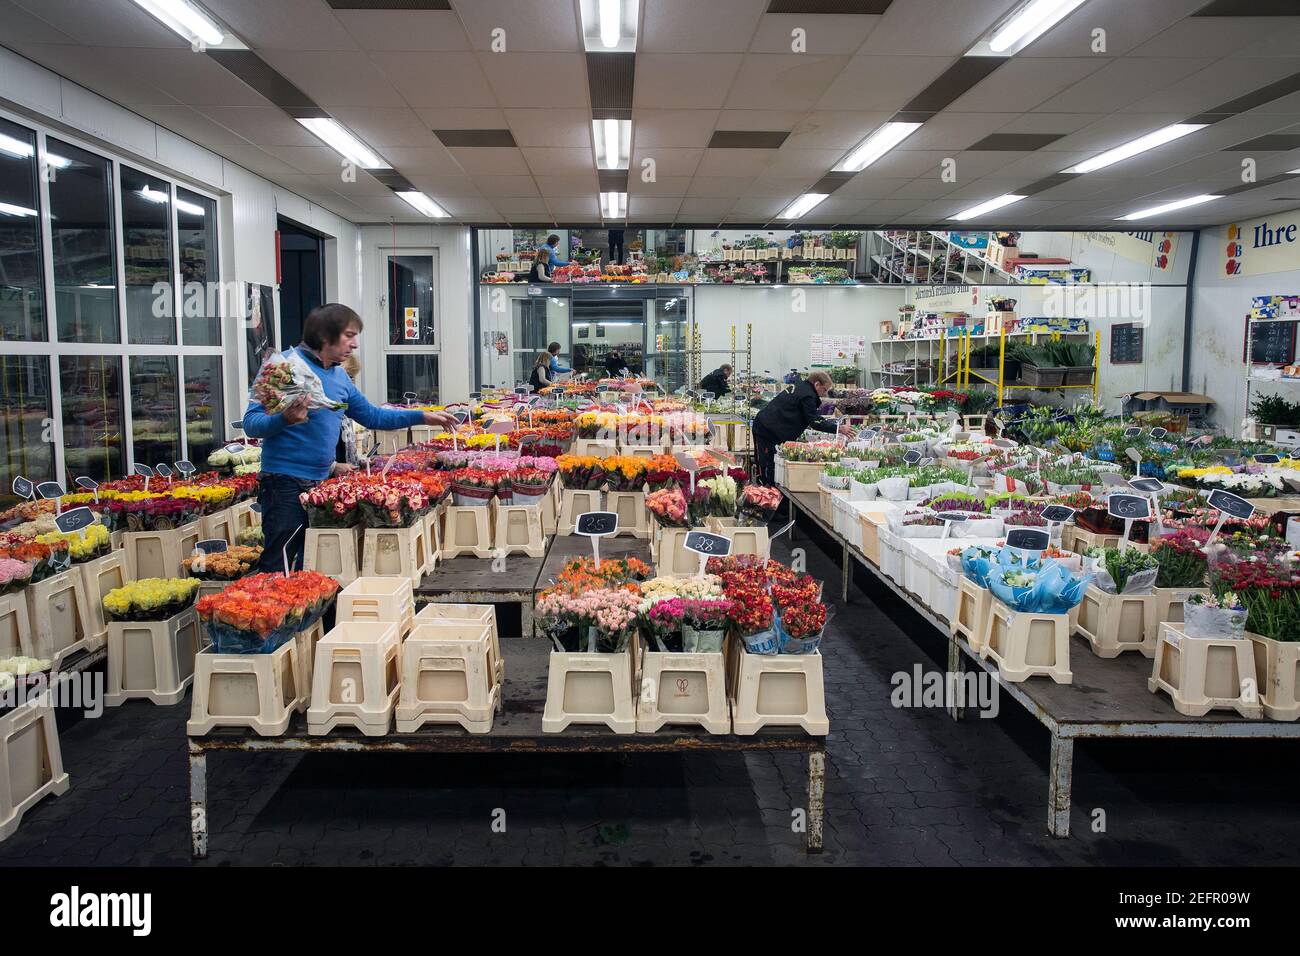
(1046, 589)
(284, 378)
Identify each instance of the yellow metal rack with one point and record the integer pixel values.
(964, 373)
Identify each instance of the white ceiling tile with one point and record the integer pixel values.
(467, 208)
(814, 163)
(491, 160)
(689, 26)
(20, 27)
(1119, 83)
(313, 160)
(952, 131)
(492, 186)
(651, 127)
(786, 188)
(1046, 122)
(433, 160)
(448, 187)
(363, 186)
(836, 205)
(863, 187)
(904, 163)
(137, 77)
(335, 78)
(449, 118)
(1126, 25)
(882, 82)
(381, 128)
(933, 27)
(567, 187)
(515, 207)
(266, 126)
(705, 206)
(116, 23)
(931, 187)
(575, 207)
(537, 79)
(735, 162)
(1215, 36)
(653, 207)
(1019, 85)
(529, 25)
(416, 31)
(188, 122)
(883, 210)
(762, 208)
(719, 187)
(257, 160)
(559, 162)
(1034, 166)
(445, 80)
(662, 186)
(783, 81)
(759, 119)
(1119, 128)
(1223, 81)
(974, 165)
(668, 161)
(833, 129)
(823, 34)
(551, 127)
(683, 81)
(283, 25)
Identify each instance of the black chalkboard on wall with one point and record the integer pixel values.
(1272, 343)
(1126, 340)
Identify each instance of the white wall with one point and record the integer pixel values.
(248, 205)
(454, 304)
(1221, 304)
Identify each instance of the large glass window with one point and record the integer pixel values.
(22, 301)
(155, 417)
(196, 227)
(94, 440)
(147, 255)
(413, 373)
(204, 408)
(411, 319)
(26, 423)
(81, 232)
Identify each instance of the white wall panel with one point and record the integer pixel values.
(178, 153)
(25, 83)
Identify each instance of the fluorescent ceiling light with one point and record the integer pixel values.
(876, 145)
(613, 205)
(989, 206)
(1169, 207)
(804, 204)
(15, 147)
(424, 204)
(344, 143)
(1139, 145)
(1293, 172)
(609, 26)
(1022, 28)
(6, 209)
(192, 208)
(613, 139)
(185, 19)
(153, 195)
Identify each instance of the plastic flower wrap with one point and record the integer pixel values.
(262, 611)
(669, 507)
(150, 599)
(1118, 567)
(223, 565)
(759, 503)
(43, 559)
(1047, 588)
(284, 378)
(599, 620)
(146, 511)
(806, 451)
(721, 500)
(1267, 582)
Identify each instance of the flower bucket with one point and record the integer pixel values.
(529, 494)
(702, 642)
(894, 489)
(764, 642)
(1202, 621)
(838, 482)
(469, 496)
(862, 490)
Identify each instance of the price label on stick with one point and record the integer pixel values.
(1110, 479)
(147, 472)
(211, 546)
(912, 457)
(237, 424)
(255, 507)
(1231, 505)
(1159, 433)
(1129, 507)
(950, 518)
(707, 545)
(1267, 459)
(185, 467)
(164, 470)
(596, 525)
(1132, 431)
(50, 489)
(1057, 514)
(1148, 486)
(75, 520)
(90, 484)
(1028, 539)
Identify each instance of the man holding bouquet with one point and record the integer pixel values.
(297, 411)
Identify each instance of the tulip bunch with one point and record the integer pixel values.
(624, 472)
(1268, 586)
(581, 471)
(263, 603)
(150, 599)
(1181, 557)
(810, 451)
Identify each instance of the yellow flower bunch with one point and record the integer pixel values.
(149, 596)
(138, 495)
(482, 441)
(628, 466)
(81, 498)
(1200, 472)
(212, 497)
(94, 541)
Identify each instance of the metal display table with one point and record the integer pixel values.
(517, 729)
(1108, 698)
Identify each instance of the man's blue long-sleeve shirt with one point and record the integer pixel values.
(555, 259)
(306, 450)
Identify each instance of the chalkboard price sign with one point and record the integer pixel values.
(90, 484)
(1057, 513)
(1147, 485)
(50, 489)
(713, 545)
(1132, 431)
(1231, 505)
(1128, 507)
(185, 467)
(596, 524)
(75, 520)
(1028, 539)
(1126, 344)
(1159, 433)
(912, 457)
(1267, 459)
(22, 487)
(1271, 343)
(163, 469)
(211, 545)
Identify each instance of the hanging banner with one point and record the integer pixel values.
(1154, 249)
(1260, 246)
(948, 298)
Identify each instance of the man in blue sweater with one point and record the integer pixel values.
(298, 444)
(553, 244)
(556, 368)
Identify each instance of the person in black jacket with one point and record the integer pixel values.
(786, 417)
(716, 381)
(614, 363)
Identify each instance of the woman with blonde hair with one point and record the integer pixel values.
(541, 376)
(541, 270)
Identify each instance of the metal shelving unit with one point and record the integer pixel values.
(967, 375)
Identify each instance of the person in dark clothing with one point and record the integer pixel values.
(540, 376)
(786, 417)
(616, 242)
(716, 381)
(541, 270)
(614, 363)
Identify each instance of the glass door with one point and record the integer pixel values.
(608, 331)
(413, 341)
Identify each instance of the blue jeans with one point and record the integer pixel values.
(284, 521)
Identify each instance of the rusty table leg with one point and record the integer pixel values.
(816, 799)
(1060, 784)
(526, 619)
(198, 805)
(846, 570)
(957, 668)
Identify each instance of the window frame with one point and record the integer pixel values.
(51, 348)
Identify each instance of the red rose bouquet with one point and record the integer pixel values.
(475, 486)
(260, 612)
(758, 503)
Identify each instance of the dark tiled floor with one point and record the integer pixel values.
(904, 786)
